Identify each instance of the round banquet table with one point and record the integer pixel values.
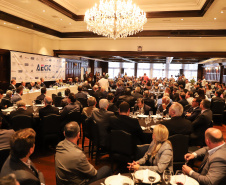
(98, 182)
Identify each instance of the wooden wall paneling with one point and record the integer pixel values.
(221, 73)
(4, 69)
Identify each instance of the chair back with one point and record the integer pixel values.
(50, 124)
(180, 146)
(217, 107)
(58, 100)
(95, 135)
(53, 98)
(21, 121)
(3, 156)
(83, 101)
(86, 128)
(127, 147)
(74, 116)
(38, 102)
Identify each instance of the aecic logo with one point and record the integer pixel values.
(43, 67)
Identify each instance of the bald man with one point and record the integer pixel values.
(212, 170)
(48, 109)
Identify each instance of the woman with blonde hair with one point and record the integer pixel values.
(159, 155)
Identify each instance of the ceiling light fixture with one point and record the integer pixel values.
(215, 18)
(222, 11)
(115, 18)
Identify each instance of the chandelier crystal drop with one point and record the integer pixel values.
(115, 18)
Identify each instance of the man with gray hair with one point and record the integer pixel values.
(164, 107)
(137, 94)
(177, 124)
(7, 99)
(48, 109)
(71, 164)
(101, 117)
(21, 110)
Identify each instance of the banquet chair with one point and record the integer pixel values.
(38, 102)
(73, 116)
(122, 152)
(21, 121)
(218, 111)
(4, 153)
(58, 100)
(86, 131)
(49, 129)
(83, 101)
(180, 148)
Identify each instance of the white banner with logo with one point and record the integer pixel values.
(30, 67)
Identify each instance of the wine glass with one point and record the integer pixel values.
(151, 176)
(167, 176)
(180, 178)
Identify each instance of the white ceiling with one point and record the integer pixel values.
(37, 12)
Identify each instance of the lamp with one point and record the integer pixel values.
(115, 19)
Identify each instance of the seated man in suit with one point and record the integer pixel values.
(48, 109)
(80, 94)
(23, 84)
(86, 85)
(38, 85)
(127, 98)
(195, 110)
(164, 107)
(137, 94)
(21, 110)
(87, 111)
(12, 86)
(31, 85)
(22, 145)
(127, 124)
(72, 166)
(217, 103)
(57, 83)
(42, 82)
(148, 100)
(177, 124)
(213, 168)
(142, 107)
(201, 124)
(17, 96)
(182, 100)
(73, 105)
(189, 97)
(102, 118)
(112, 107)
(7, 99)
(43, 94)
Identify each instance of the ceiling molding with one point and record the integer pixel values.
(157, 14)
(137, 53)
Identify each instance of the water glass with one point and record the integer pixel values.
(180, 178)
(167, 174)
(151, 176)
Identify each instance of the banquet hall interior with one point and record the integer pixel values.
(180, 40)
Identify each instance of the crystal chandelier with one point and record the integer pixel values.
(115, 19)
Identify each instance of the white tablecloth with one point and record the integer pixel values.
(29, 97)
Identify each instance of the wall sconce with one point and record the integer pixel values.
(75, 64)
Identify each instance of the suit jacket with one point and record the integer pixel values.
(16, 97)
(163, 159)
(41, 97)
(178, 125)
(72, 166)
(119, 92)
(81, 95)
(20, 111)
(213, 172)
(71, 107)
(183, 102)
(6, 102)
(5, 136)
(194, 113)
(199, 126)
(23, 173)
(88, 110)
(217, 105)
(137, 95)
(127, 98)
(12, 87)
(49, 109)
(29, 86)
(130, 125)
(146, 109)
(150, 102)
(166, 111)
(112, 107)
(102, 118)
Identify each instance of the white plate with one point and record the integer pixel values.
(166, 118)
(143, 175)
(189, 181)
(142, 116)
(118, 180)
(155, 116)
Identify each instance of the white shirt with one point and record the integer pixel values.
(190, 100)
(104, 83)
(188, 86)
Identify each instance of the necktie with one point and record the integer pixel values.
(203, 162)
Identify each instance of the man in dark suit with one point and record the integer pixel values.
(127, 98)
(201, 124)
(177, 124)
(85, 76)
(195, 110)
(119, 90)
(43, 94)
(73, 105)
(96, 92)
(217, 103)
(112, 107)
(140, 106)
(102, 118)
(137, 94)
(12, 86)
(42, 82)
(21, 110)
(164, 107)
(48, 109)
(7, 99)
(213, 168)
(149, 101)
(22, 146)
(17, 96)
(31, 85)
(80, 94)
(182, 100)
(127, 124)
(1, 96)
